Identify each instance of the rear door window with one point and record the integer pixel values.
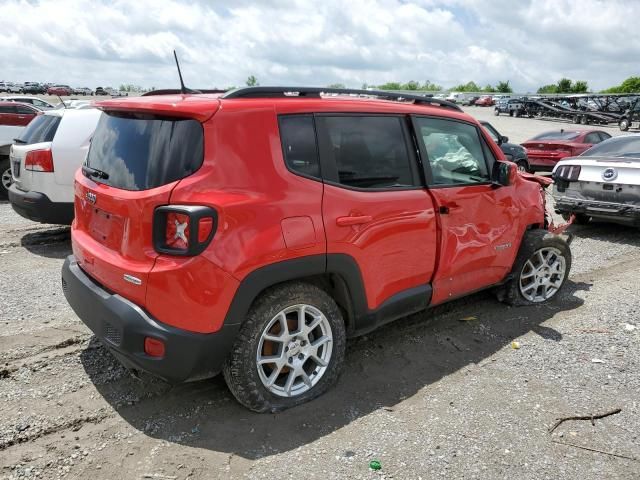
(24, 110)
(7, 109)
(41, 129)
(367, 152)
(592, 138)
(140, 152)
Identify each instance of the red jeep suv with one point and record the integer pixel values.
(252, 232)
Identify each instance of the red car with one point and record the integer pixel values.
(17, 114)
(62, 90)
(485, 101)
(253, 232)
(547, 149)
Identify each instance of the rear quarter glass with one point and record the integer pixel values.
(141, 152)
(41, 129)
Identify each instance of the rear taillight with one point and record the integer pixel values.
(568, 173)
(183, 229)
(39, 161)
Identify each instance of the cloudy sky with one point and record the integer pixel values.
(295, 42)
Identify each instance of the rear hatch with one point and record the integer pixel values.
(135, 160)
(38, 135)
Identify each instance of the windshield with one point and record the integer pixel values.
(628, 147)
(41, 129)
(557, 136)
(139, 152)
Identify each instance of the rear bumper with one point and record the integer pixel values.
(122, 326)
(619, 212)
(37, 207)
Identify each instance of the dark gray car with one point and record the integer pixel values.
(516, 153)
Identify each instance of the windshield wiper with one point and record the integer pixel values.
(94, 172)
(19, 141)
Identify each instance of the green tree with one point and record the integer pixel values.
(390, 86)
(488, 88)
(430, 87)
(565, 85)
(630, 85)
(411, 85)
(252, 81)
(553, 88)
(580, 87)
(504, 87)
(336, 85)
(467, 87)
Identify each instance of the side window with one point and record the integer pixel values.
(592, 138)
(7, 109)
(24, 110)
(368, 152)
(604, 136)
(298, 136)
(454, 150)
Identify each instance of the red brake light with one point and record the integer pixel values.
(177, 232)
(39, 161)
(153, 347)
(183, 229)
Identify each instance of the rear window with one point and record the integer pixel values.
(557, 136)
(140, 152)
(628, 147)
(41, 129)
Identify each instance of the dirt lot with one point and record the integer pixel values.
(438, 395)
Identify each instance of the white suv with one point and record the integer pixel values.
(44, 160)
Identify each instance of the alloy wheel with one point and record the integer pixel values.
(294, 350)
(542, 275)
(7, 180)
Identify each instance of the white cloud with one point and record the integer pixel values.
(530, 43)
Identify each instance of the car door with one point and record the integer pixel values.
(375, 207)
(477, 221)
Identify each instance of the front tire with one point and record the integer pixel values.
(289, 351)
(523, 166)
(540, 270)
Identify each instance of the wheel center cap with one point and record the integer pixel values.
(294, 348)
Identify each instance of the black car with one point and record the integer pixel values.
(33, 88)
(512, 107)
(469, 101)
(516, 153)
(101, 91)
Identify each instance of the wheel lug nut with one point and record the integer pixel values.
(300, 356)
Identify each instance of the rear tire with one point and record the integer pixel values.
(7, 180)
(272, 347)
(496, 112)
(540, 270)
(523, 166)
(624, 125)
(584, 120)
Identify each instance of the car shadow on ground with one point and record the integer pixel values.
(52, 243)
(381, 369)
(607, 232)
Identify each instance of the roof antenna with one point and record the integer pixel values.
(184, 90)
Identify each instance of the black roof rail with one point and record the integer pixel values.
(174, 91)
(305, 92)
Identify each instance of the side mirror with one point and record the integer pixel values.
(505, 174)
(504, 140)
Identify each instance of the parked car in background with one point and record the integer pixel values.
(100, 91)
(548, 148)
(44, 160)
(511, 106)
(196, 251)
(456, 97)
(82, 91)
(469, 101)
(3, 87)
(17, 114)
(630, 116)
(35, 101)
(33, 88)
(513, 152)
(14, 88)
(75, 104)
(602, 183)
(62, 90)
(485, 101)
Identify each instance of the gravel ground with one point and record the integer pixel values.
(441, 394)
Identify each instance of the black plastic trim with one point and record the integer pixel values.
(38, 207)
(195, 214)
(122, 327)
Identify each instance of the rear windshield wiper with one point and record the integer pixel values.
(94, 172)
(19, 141)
